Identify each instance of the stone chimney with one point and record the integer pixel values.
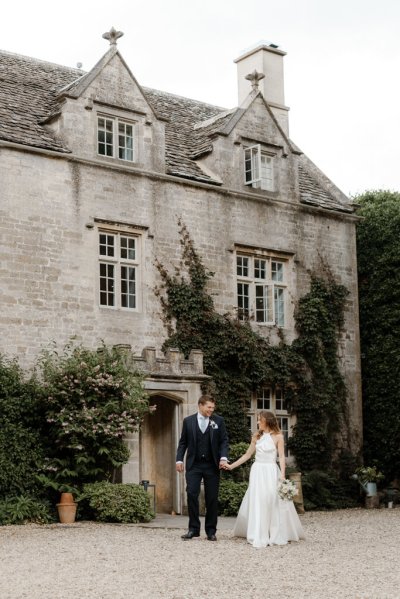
(266, 59)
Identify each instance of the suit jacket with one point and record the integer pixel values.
(188, 440)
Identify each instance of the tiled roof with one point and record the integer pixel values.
(312, 193)
(28, 90)
(28, 98)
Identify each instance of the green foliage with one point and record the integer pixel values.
(320, 403)
(324, 491)
(240, 361)
(369, 474)
(21, 448)
(91, 400)
(22, 509)
(230, 496)
(378, 250)
(242, 473)
(107, 502)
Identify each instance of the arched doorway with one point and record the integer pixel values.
(158, 442)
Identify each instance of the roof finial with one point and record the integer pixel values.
(254, 79)
(112, 36)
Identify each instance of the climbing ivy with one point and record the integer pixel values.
(378, 254)
(240, 361)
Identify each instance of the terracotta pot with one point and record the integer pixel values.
(67, 508)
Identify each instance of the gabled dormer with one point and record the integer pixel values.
(248, 147)
(105, 116)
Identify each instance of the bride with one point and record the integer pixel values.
(263, 518)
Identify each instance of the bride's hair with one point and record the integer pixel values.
(270, 420)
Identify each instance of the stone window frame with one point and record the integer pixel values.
(272, 399)
(113, 263)
(261, 296)
(116, 122)
(254, 168)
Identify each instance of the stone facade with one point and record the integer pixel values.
(58, 193)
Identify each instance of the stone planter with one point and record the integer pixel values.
(67, 508)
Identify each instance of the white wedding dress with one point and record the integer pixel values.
(263, 518)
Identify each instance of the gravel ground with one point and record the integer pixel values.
(351, 554)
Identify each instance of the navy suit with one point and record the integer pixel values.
(204, 451)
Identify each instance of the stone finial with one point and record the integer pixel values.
(254, 79)
(112, 36)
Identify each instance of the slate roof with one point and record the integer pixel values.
(29, 91)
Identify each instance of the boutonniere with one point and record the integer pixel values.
(213, 424)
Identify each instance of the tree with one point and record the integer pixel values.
(378, 239)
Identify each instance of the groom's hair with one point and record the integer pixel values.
(204, 399)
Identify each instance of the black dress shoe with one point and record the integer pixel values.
(189, 535)
(211, 538)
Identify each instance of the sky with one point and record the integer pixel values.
(342, 80)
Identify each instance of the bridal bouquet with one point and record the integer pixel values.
(287, 489)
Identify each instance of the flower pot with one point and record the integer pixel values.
(371, 489)
(67, 508)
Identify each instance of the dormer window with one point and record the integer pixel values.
(259, 168)
(115, 138)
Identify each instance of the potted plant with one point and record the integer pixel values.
(368, 477)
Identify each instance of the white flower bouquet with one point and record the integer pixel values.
(287, 489)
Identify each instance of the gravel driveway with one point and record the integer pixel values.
(351, 554)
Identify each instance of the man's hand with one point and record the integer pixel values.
(222, 464)
(179, 467)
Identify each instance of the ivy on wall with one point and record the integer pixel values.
(378, 249)
(240, 361)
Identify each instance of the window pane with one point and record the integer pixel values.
(263, 303)
(277, 271)
(128, 287)
(242, 266)
(105, 136)
(106, 244)
(243, 300)
(280, 402)
(260, 269)
(267, 181)
(128, 248)
(106, 284)
(125, 141)
(264, 399)
(279, 305)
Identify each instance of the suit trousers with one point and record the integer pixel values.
(210, 474)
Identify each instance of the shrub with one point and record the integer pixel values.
(21, 448)
(240, 474)
(108, 502)
(230, 496)
(323, 491)
(91, 400)
(23, 509)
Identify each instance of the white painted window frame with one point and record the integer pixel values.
(116, 262)
(254, 168)
(267, 398)
(115, 143)
(270, 285)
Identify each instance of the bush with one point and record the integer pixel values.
(108, 502)
(23, 509)
(241, 474)
(21, 448)
(91, 400)
(230, 496)
(323, 491)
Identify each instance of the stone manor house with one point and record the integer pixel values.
(96, 170)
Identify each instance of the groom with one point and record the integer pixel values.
(205, 439)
